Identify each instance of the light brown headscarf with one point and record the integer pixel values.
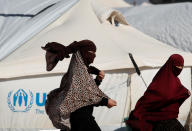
(77, 89)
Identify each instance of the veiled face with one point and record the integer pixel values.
(91, 56)
(88, 57)
(51, 60)
(177, 70)
(177, 64)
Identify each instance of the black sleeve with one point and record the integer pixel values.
(103, 102)
(97, 81)
(93, 70)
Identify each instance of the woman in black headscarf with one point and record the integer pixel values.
(81, 119)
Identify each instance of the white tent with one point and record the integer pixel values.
(169, 23)
(24, 69)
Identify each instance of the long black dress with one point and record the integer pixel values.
(83, 120)
(168, 125)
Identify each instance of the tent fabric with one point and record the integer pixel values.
(169, 23)
(71, 26)
(123, 3)
(114, 85)
(133, 41)
(133, 36)
(20, 20)
(21, 129)
(105, 13)
(113, 3)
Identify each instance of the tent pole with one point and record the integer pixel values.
(143, 81)
(127, 97)
(136, 68)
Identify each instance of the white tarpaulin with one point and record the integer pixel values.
(169, 23)
(32, 115)
(20, 20)
(147, 51)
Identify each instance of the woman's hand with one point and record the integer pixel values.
(101, 75)
(111, 103)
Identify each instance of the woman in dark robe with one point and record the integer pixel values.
(158, 108)
(82, 118)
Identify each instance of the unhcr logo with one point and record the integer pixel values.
(20, 101)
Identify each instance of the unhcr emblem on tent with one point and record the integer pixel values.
(20, 101)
